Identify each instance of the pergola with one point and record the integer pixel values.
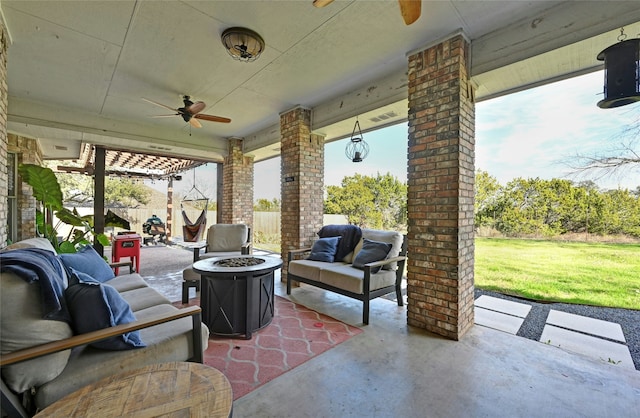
(122, 163)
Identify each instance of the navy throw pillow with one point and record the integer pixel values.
(88, 261)
(371, 251)
(324, 249)
(95, 306)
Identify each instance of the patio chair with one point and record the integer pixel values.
(222, 240)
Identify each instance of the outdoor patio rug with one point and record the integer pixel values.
(296, 335)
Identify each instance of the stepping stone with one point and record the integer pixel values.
(497, 320)
(587, 325)
(596, 348)
(505, 306)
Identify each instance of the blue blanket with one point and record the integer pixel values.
(350, 237)
(38, 265)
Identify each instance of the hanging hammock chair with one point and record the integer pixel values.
(193, 231)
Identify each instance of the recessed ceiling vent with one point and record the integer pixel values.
(383, 117)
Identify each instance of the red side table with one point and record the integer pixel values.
(126, 246)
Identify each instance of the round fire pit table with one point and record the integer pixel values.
(237, 293)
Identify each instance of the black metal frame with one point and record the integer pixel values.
(367, 294)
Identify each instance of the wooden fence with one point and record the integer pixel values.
(266, 223)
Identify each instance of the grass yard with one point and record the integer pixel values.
(573, 272)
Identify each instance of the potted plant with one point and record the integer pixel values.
(47, 191)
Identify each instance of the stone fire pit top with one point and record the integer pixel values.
(239, 262)
(242, 264)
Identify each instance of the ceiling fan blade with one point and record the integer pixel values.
(194, 122)
(159, 104)
(197, 107)
(321, 3)
(211, 118)
(410, 10)
(165, 116)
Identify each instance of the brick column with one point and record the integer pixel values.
(302, 182)
(440, 197)
(237, 186)
(28, 152)
(4, 192)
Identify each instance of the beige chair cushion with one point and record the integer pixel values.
(392, 237)
(227, 237)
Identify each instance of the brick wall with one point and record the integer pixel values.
(440, 190)
(237, 186)
(4, 208)
(302, 181)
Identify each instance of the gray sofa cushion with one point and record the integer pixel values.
(171, 341)
(22, 326)
(125, 282)
(143, 298)
(308, 268)
(41, 243)
(346, 277)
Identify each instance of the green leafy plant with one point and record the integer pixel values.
(46, 190)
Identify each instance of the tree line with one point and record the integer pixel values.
(522, 207)
(554, 207)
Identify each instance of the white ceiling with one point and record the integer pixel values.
(77, 70)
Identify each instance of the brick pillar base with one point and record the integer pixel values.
(237, 186)
(440, 190)
(302, 171)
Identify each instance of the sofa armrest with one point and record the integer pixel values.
(387, 261)
(90, 337)
(293, 253)
(196, 252)
(117, 264)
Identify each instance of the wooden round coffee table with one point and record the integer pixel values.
(167, 389)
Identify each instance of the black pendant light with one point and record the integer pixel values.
(621, 73)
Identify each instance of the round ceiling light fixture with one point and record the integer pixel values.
(243, 44)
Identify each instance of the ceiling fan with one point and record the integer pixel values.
(410, 9)
(190, 112)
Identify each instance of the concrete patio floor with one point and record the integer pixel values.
(392, 369)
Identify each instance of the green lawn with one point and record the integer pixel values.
(574, 272)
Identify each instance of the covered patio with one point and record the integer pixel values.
(393, 370)
(75, 73)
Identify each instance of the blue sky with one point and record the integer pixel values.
(525, 134)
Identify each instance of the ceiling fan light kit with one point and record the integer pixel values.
(190, 112)
(243, 44)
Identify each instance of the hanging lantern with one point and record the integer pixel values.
(621, 73)
(356, 150)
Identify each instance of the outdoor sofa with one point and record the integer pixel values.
(359, 263)
(44, 359)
